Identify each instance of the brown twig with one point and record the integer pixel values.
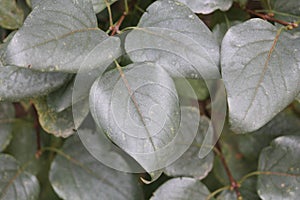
(38, 133)
(270, 18)
(234, 185)
(115, 29)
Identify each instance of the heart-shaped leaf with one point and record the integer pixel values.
(181, 189)
(138, 108)
(207, 6)
(261, 72)
(60, 124)
(15, 183)
(56, 36)
(171, 35)
(281, 158)
(7, 114)
(74, 172)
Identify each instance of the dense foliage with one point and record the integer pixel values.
(187, 99)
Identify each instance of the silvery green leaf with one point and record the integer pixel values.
(259, 84)
(18, 83)
(177, 36)
(181, 189)
(77, 175)
(56, 36)
(282, 158)
(207, 6)
(148, 127)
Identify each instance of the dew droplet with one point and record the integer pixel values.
(191, 16)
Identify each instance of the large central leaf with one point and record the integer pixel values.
(56, 36)
(261, 72)
(139, 111)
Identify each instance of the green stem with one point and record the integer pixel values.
(217, 192)
(256, 173)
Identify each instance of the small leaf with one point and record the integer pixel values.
(60, 124)
(189, 164)
(207, 6)
(281, 158)
(56, 36)
(181, 189)
(7, 114)
(15, 183)
(11, 17)
(261, 74)
(74, 172)
(171, 35)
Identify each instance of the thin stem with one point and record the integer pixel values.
(227, 21)
(111, 23)
(37, 131)
(126, 6)
(277, 12)
(115, 28)
(256, 173)
(269, 18)
(217, 192)
(234, 185)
